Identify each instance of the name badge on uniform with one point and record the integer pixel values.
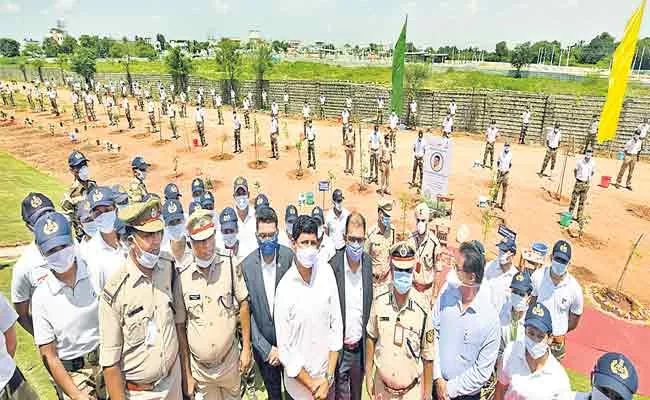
(195, 297)
(152, 333)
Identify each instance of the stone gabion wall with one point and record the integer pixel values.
(476, 107)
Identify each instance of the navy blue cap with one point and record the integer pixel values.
(507, 244)
(100, 196)
(139, 163)
(522, 282)
(172, 210)
(290, 214)
(317, 213)
(194, 205)
(562, 251)
(539, 317)
(616, 372)
(337, 195)
(171, 192)
(33, 206)
(198, 186)
(51, 231)
(261, 200)
(76, 158)
(207, 201)
(228, 218)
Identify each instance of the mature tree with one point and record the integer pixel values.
(38, 64)
(160, 38)
(600, 47)
(262, 62)
(68, 45)
(50, 47)
(229, 59)
(124, 51)
(144, 50)
(279, 46)
(520, 57)
(103, 47)
(62, 61)
(501, 51)
(179, 66)
(32, 50)
(9, 47)
(22, 66)
(84, 63)
(89, 42)
(415, 75)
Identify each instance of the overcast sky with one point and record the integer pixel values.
(479, 23)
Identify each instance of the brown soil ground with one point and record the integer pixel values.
(530, 211)
(639, 210)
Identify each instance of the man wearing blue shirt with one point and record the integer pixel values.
(468, 329)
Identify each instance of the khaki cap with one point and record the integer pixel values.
(143, 216)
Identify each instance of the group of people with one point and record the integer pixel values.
(129, 296)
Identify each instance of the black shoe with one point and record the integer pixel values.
(629, 187)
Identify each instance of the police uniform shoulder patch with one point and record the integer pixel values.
(430, 336)
(114, 284)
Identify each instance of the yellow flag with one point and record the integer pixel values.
(618, 76)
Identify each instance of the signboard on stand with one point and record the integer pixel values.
(438, 153)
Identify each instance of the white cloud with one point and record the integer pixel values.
(221, 6)
(472, 6)
(9, 8)
(65, 5)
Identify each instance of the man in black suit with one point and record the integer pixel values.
(353, 272)
(262, 271)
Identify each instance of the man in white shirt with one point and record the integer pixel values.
(286, 103)
(452, 108)
(218, 103)
(233, 98)
(275, 132)
(326, 248)
(447, 126)
(345, 119)
(561, 293)
(418, 160)
(412, 116)
(490, 138)
(644, 128)
(236, 126)
(311, 145)
(89, 103)
(306, 110)
(380, 110)
(308, 319)
(590, 140)
(245, 213)
(274, 109)
(525, 120)
(109, 103)
(51, 93)
(374, 145)
(264, 96)
(552, 144)
(335, 220)
(321, 100)
(247, 118)
(183, 109)
(500, 271)
(151, 111)
(584, 170)
(76, 111)
(171, 114)
(632, 150)
(199, 117)
(504, 163)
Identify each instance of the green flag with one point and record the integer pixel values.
(397, 96)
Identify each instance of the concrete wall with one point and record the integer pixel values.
(475, 107)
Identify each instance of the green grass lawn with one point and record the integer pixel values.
(16, 181)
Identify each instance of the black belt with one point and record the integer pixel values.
(89, 359)
(352, 348)
(578, 180)
(552, 149)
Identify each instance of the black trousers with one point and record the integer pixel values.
(349, 376)
(272, 377)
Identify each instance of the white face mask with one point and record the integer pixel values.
(229, 239)
(504, 257)
(90, 228)
(307, 257)
(142, 175)
(421, 227)
(61, 261)
(597, 394)
(147, 260)
(241, 202)
(559, 268)
(177, 231)
(84, 173)
(518, 302)
(338, 206)
(205, 263)
(106, 221)
(535, 349)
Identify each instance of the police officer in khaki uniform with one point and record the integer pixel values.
(137, 190)
(209, 293)
(349, 142)
(386, 159)
(82, 184)
(139, 346)
(426, 277)
(401, 340)
(380, 239)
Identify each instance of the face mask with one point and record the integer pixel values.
(241, 202)
(289, 229)
(62, 260)
(267, 247)
(587, 157)
(320, 232)
(196, 198)
(176, 232)
(205, 263)
(354, 251)
(422, 227)
(147, 260)
(142, 175)
(558, 268)
(338, 206)
(504, 258)
(518, 302)
(402, 281)
(229, 239)
(307, 257)
(536, 350)
(597, 394)
(106, 222)
(386, 221)
(90, 228)
(84, 173)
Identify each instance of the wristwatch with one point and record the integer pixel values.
(330, 379)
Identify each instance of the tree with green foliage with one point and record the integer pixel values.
(103, 47)
(600, 47)
(9, 47)
(84, 62)
(520, 57)
(229, 59)
(160, 38)
(89, 42)
(262, 62)
(62, 61)
(38, 64)
(279, 46)
(50, 47)
(22, 66)
(32, 50)
(501, 51)
(68, 44)
(144, 50)
(180, 67)
(415, 75)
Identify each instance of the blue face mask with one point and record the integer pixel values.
(354, 251)
(268, 247)
(402, 281)
(386, 221)
(558, 268)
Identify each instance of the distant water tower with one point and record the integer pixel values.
(60, 24)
